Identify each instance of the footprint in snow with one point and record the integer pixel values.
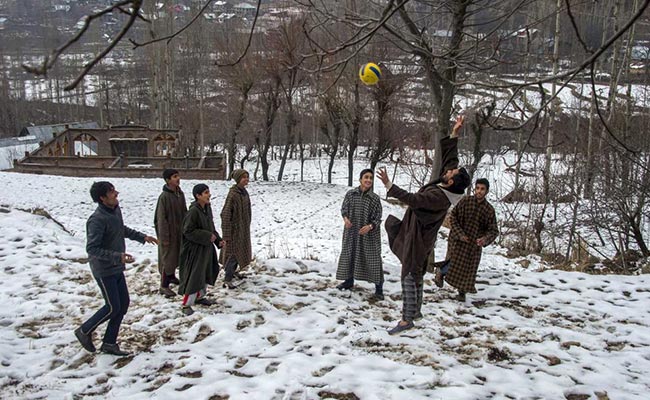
(273, 367)
(259, 320)
(241, 361)
(243, 324)
(322, 372)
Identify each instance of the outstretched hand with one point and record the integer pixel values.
(459, 124)
(150, 239)
(383, 176)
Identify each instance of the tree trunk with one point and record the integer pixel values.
(353, 140)
(241, 115)
(290, 123)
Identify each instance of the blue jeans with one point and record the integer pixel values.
(116, 298)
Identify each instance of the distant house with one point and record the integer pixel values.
(512, 44)
(210, 16)
(3, 22)
(244, 10)
(640, 52)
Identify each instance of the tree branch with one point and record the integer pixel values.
(169, 38)
(136, 7)
(52, 58)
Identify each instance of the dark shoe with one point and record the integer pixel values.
(418, 316)
(85, 340)
(229, 285)
(113, 349)
(345, 286)
(204, 301)
(401, 328)
(461, 297)
(187, 310)
(173, 279)
(238, 275)
(439, 279)
(379, 295)
(167, 292)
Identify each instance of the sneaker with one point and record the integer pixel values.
(187, 310)
(113, 349)
(238, 275)
(418, 316)
(167, 292)
(204, 301)
(401, 328)
(85, 340)
(438, 279)
(229, 285)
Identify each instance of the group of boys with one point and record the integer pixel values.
(472, 221)
(105, 245)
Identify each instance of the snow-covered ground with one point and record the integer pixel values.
(287, 333)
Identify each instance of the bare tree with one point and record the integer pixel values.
(384, 95)
(332, 125)
(288, 41)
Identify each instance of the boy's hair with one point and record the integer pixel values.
(365, 171)
(484, 182)
(168, 173)
(199, 189)
(461, 182)
(99, 189)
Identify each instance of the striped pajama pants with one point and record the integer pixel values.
(412, 289)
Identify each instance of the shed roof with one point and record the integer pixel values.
(47, 132)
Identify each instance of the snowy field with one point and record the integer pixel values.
(287, 333)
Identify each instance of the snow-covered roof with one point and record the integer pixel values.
(245, 6)
(46, 132)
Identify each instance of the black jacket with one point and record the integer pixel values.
(105, 233)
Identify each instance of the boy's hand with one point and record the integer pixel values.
(365, 229)
(127, 258)
(383, 176)
(459, 123)
(150, 239)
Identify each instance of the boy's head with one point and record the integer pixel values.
(104, 192)
(366, 178)
(240, 176)
(172, 177)
(481, 188)
(168, 173)
(461, 181)
(199, 189)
